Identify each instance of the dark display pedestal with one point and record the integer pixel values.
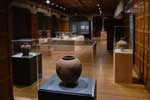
(53, 90)
(25, 68)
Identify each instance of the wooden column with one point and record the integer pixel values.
(48, 23)
(109, 28)
(59, 23)
(34, 25)
(6, 90)
(147, 44)
(21, 23)
(65, 26)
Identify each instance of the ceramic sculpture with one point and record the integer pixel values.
(121, 44)
(25, 49)
(68, 70)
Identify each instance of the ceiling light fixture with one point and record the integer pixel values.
(61, 7)
(98, 5)
(57, 5)
(48, 1)
(52, 4)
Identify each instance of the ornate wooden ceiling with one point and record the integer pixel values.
(83, 7)
(79, 6)
(89, 6)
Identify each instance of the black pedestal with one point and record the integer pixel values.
(25, 68)
(53, 90)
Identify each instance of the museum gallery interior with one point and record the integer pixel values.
(74, 49)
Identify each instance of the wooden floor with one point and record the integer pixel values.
(102, 71)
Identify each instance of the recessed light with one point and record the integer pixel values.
(61, 7)
(57, 5)
(52, 4)
(98, 5)
(47, 1)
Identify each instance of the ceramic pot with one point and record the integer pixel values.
(121, 44)
(25, 49)
(68, 70)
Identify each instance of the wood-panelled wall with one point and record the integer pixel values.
(142, 41)
(6, 91)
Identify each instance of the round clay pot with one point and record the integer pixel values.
(25, 49)
(68, 70)
(122, 44)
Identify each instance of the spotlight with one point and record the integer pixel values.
(52, 4)
(57, 5)
(47, 1)
(61, 7)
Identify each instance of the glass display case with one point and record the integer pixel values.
(33, 71)
(25, 69)
(16, 44)
(56, 49)
(122, 55)
(123, 34)
(44, 33)
(69, 36)
(61, 69)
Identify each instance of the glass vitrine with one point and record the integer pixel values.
(32, 71)
(54, 51)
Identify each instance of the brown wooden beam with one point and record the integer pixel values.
(6, 90)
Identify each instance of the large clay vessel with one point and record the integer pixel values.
(25, 49)
(68, 70)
